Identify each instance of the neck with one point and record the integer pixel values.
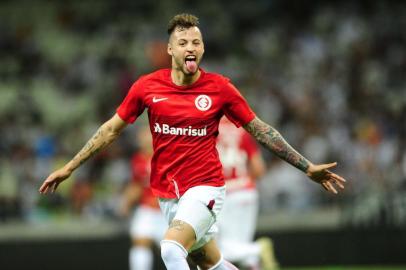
(181, 79)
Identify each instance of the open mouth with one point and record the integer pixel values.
(190, 62)
(190, 58)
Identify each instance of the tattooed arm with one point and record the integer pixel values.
(273, 140)
(105, 135)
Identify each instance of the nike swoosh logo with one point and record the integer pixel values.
(155, 100)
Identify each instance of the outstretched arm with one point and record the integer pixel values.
(105, 135)
(273, 140)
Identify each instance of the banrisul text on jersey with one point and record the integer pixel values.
(187, 131)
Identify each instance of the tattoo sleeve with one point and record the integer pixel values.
(103, 137)
(273, 140)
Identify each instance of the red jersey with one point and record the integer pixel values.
(141, 171)
(184, 124)
(236, 147)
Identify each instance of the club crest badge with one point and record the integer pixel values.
(203, 103)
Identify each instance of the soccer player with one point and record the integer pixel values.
(185, 104)
(242, 166)
(147, 225)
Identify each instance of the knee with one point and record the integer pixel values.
(172, 251)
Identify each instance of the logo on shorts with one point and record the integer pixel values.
(203, 102)
(211, 204)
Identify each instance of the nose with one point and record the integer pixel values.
(190, 47)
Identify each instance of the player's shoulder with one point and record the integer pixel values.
(158, 75)
(217, 77)
(222, 83)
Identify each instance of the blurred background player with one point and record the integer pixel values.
(147, 225)
(242, 166)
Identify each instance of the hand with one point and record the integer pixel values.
(320, 174)
(53, 180)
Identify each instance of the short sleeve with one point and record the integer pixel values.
(133, 104)
(236, 108)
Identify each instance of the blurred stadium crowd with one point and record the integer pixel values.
(329, 77)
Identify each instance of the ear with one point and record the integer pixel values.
(169, 49)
